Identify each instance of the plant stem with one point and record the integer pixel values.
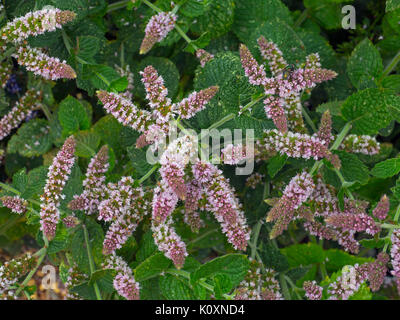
(257, 229)
(308, 119)
(285, 289)
(148, 174)
(91, 262)
(390, 67)
(117, 5)
(395, 219)
(204, 284)
(46, 111)
(152, 6)
(301, 18)
(252, 103)
(222, 121)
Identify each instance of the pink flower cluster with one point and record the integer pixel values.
(16, 204)
(194, 192)
(124, 281)
(195, 102)
(361, 144)
(125, 207)
(313, 291)
(39, 63)
(234, 154)
(295, 194)
(223, 203)
(325, 129)
(35, 23)
(174, 160)
(157, 29)
(204, 56)
(382, 208)
(296, 145)
(57, 177)
(284, 88)
(169, 242)
(349, 282)
(125, 111)
(75, 278)
(29, 101)
(94, 184)
(357, 222)
(395, 256)
(5, 72)
(154, 124)
(11, 271)
(258, 284)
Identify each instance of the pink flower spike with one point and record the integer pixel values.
(252, 69)
(313, 291)
(124, 281)
(382, 208)
(58, 175)
(195, 102)
(40, 64)
(157, 29)
(169, 242)
(273, 55)
(204, 56)
(16, 204)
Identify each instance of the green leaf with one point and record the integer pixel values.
(327, 13)
(100, 76)
(235, 266)
(72, 116)
(275, 164)
(89, 46)
(139, 161)
(109, 129)
(249, 14)
(369, 110)
(352, 168)
(59, 243)
(104, 279)
(35, 183)
(118, 85)
(193, 8)
(222, 285)
(372, 243)
(301, 255)
(392, 5)
(32, 139)
(146, 247)
(87, 143)
(152, 267)
(387, 168)
(336, 259)
(175, 288)
(365, 65)
(273, 258)
(216, 19)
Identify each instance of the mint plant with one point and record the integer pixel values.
(228, 150)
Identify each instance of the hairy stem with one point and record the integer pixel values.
(117, 5)
(91, 262)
